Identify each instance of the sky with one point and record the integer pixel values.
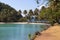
(22, 4)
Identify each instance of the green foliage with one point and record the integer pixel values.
(25, 11)
(30, 13)
(7, 13)
(51, 13)
(43, 13)
(19, 12)
(36, 11)
(29, 36)
(24, 19)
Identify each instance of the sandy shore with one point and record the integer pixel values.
(23, 23)
(52, 33)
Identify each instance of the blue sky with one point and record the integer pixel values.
(22, 4)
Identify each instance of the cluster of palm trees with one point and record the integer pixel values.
(50, 13)
(9, 14)
(29, 14)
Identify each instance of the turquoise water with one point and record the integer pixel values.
(18, 31)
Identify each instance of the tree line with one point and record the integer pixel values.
(9, 14)
(52, 12)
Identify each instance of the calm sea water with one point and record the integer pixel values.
(18, 31)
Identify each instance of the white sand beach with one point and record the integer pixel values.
(24, 23)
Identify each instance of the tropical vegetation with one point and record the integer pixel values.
(50, 12)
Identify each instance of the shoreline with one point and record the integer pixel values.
(24, 23)
(52, 33)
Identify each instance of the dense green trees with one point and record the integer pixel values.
(55, 7)
(51, 13)
(8, 14)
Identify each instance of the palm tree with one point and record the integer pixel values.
(25, 11)
(30, 12)
(19, 12)
(36, 11)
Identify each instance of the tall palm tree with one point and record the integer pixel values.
(30, 12)
(19, 12)
(36, 11)
(25, 11)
